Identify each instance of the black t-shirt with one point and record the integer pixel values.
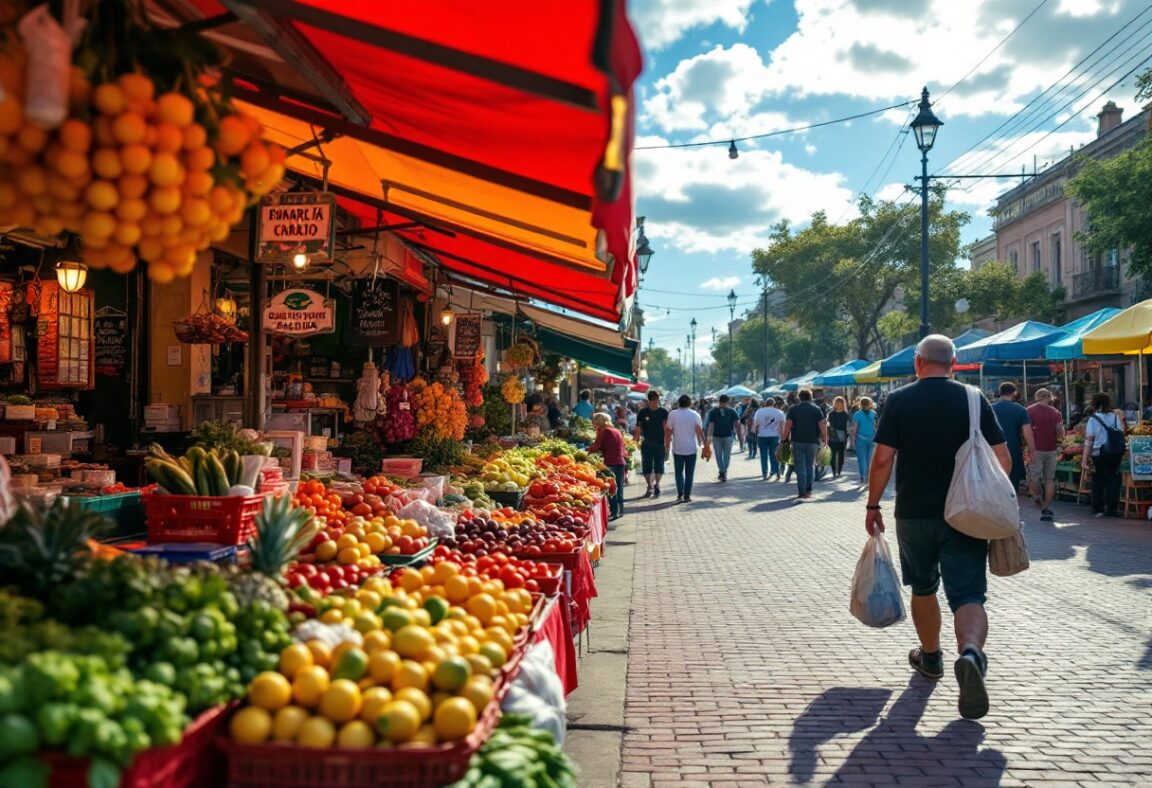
(805, 418)
(651, 424)
(926, 423)
(837, 420)
(722, 421)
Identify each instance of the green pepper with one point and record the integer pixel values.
(103, 773)
(82, 740)
(55, 720)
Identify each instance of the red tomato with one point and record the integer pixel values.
(406, 544)
(499, 558)
(340, 584)
(307, 570)
(533, 586)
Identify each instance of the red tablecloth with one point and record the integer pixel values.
(555, 627)
(583, 591)
(598, 523)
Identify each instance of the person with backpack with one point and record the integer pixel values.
(925, 425)
(723, 427)
(1103, 451)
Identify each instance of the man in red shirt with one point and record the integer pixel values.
(1047, 432)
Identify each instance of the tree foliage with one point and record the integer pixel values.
(849, 275)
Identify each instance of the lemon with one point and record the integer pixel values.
(356, 733)
(478, 692)
(374, 700)
(316, 732)
(395, 618)
(341, 701)
(269, 690)
(452, 673)
(310, 685)
(454, 719)
(412, 641)
(251, 725)
(399, 721)
(410, 674)
(418, 699)
(352, 664)
(383, 665)
(295, 658)
(495, 653)
(425, 736)
(377, 639)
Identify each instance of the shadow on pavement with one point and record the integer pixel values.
(889, 751)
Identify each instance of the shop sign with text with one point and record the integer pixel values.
(299, 313)
(297, 222)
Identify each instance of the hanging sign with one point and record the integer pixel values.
(1140, 457)
(110, 331)
(375, 313)
(292, 223)
(466, 337)
(299, 313)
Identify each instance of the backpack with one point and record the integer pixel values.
(1114, 444)
(981, 499)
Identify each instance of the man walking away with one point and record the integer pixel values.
(1047, 432)
(864, 435)
(682, 435)
(766, 425)
(723, 427)
(807, 428)
(746, 420)
(924, 424)
(1013, 418)
(650, 434)
(583, 408)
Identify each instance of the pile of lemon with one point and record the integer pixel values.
(132, 170)
(423, 675)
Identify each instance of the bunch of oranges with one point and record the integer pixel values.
(132, 171)
(440, 409)
(314, 496)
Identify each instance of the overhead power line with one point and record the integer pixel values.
(993, 50)
(730, 140)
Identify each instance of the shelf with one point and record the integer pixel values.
(329, 380)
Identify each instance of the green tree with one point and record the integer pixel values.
(1117, 197)
(850, 274)
(664, 372)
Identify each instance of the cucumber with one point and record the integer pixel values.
(217, 475)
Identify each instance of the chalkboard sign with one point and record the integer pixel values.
(375, 313)
(467, 337)
(110, 330)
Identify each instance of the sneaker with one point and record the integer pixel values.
(1046, 515)
(928, 665)
(656, 491)
(764, 478)
(806, 495)
(970, 670)
(679, 498)
(647, 493)
(723, 477)
(687, 499)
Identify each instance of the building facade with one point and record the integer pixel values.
(982, 251)
(1036, 226)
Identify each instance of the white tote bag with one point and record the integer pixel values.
(981, 501)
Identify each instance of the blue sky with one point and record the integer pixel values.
(731, 68)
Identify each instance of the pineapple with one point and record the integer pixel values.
(282, 531)
(42, 547)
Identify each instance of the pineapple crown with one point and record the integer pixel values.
(282, 531)
(41, 547)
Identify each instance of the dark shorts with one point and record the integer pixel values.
(652, 458)
(931, 550)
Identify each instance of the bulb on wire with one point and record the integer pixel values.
(300, 261)
(733, 153)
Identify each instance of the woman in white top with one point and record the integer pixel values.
(1105, 466)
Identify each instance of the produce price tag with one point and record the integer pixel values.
(34, 445)
(1140, 457)
(405, 406)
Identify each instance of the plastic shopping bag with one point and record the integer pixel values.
(784, 453)
(823, 456)
(876, 598)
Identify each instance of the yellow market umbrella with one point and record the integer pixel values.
(869, 374)
(1128, 332)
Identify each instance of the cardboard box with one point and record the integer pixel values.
(160, 412)
(19, 412)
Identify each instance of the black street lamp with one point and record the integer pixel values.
(764, 306)
(643, 250)
(692, 336)
(731, 320)
(924, 127)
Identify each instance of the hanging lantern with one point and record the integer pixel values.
(447, 316)
(71, 274)
(226, 306)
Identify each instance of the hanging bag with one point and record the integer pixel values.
(1114, 443)
(876, 599)
(981, 499)
(1007, 557)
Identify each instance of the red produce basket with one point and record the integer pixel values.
(195, 518)
(407, 467)
(192, 763)
(405, 766)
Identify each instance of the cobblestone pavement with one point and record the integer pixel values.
(746, 668)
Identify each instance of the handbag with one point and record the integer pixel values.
(1007, 557)
(981, 500)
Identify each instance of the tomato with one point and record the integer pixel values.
(499, 558)
(307, 570)
(533, 586)
(340, 584)
(532, 550)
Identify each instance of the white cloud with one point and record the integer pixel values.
(663, 22)
(720, 283)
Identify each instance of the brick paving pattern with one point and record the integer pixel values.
(746, 668)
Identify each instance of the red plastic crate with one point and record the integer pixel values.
(195, 518)
(192, 763)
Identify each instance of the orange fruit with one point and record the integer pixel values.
(321, 654)
(417, 698)
(233, 135)
(165, 199)
(32, 138)
(269, 690)
(412, 641)
(356, 734)
(136, 159)
(33, 180)
(456, 588)
(132, 186)
(165, 169)
(137, 87)
(195, 138)
(129, 128)
(102, 195)
(169, 138)
(109, 98)
(375, 699)
(382, 665)
(410, 674)
(106, 163)
(131, 210)
(161, 273)
(11, 115)
(199, 183)
(454, 719)
(98, 225)
(127, 233)
(175, 108)
(251, 725)
(75, 135)
(316, 732)
(195, 211)
(452, 674)
(398, 721)
(483, 606)
(478, 692)
(254, 160)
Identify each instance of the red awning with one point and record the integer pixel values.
(511, 127)
(641, 388)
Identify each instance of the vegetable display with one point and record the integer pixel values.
(517, 754)
(199, 472)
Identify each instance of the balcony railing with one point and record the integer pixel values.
(1096, 282)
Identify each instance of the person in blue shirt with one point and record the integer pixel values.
(1017, 426)
(584, 408)
(863, 435)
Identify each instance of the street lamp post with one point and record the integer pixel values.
(924, 127)
(731, 320)
(693, 338)
(764, 284)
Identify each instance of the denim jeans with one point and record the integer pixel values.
(616, 502)
(722, 448)
(768, 446)
(685, 465)
(864, 448)
(804, 460)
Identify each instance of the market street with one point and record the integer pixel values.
(746, 668)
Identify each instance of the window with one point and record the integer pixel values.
(1113, 257)
(1014, 261)
(1057, 261)
(1035, 257)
